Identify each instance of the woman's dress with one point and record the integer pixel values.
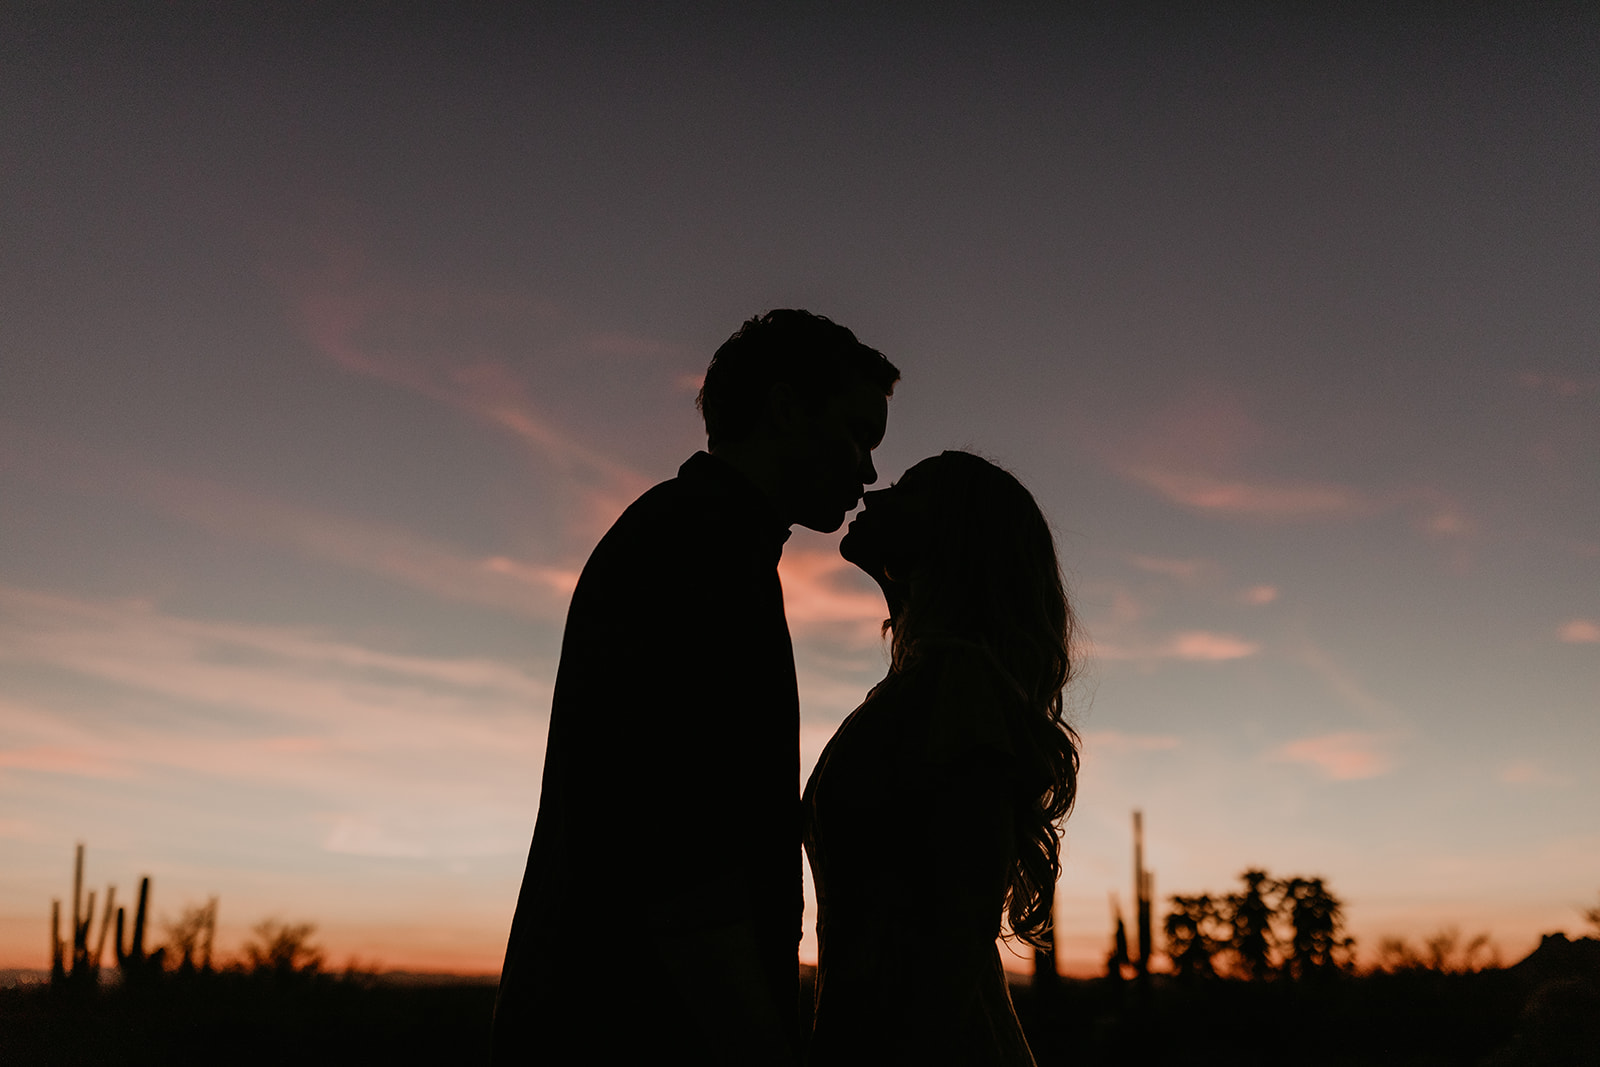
(909, 827)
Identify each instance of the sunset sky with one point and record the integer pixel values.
(330, 346)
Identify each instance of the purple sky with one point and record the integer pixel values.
(328, 348)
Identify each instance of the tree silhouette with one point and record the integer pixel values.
(1196, 931)
(1315, 917)
(190, 938)
(1293, 927)
(1249, 915)
(1593, 916)
(1444, 953)
(283, 950)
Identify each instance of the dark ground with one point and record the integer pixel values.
(1500, 1018)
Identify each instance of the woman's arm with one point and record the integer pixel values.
(965, 840)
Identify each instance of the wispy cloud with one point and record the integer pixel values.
(364, 836)
(1339, 757)
(1558, 383)
(254, 702)
(821, 591)
(1191, 646)
(1198, 452)
(1178, 569)
(1344, 683)
(631, 346)
(1207, 647)
(1253, 498)
(1580, 632)
(450, 345)
(1258, 595)
(60, 759)
(17, 830)
(1527, 772)
(523, 587)
(1117, 741)
(1208, 452)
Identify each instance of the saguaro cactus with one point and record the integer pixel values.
(132, 961)
(1143, 886)
(58, 949)
(105, 926)
(70, 958)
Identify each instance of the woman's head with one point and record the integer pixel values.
(962, 550)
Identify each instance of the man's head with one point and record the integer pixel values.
(799, 404)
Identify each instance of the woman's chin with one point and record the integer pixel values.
(858, 550)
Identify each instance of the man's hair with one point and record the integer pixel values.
(815, 357)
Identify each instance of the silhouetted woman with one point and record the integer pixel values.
(936, 806)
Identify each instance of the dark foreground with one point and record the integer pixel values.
(1498, 1018)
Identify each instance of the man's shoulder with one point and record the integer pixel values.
(663, 523)
(659, 509)
(701, 500)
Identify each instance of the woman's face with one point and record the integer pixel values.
(888, 538)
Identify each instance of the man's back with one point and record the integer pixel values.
(670, 793)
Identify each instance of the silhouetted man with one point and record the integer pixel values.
(660, 912)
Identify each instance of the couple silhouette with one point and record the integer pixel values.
(661, 909)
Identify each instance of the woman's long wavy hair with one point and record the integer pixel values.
(990, 575)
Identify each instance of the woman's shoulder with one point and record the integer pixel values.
(969, 704)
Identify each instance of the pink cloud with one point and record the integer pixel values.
(1345, 683)
(1193, 646)
(374, 699)
(1259, 594)
(1581, 632)
(1251, 498)
(1527, 772)
(391, 551)
(358, 836)
(1116, 741)
(1339, 757)
(1447, 524)
(53, 759)
(441, 342)
(1197, 451)
(631, 346)
(1208, 647)
(1183, 570)
(558, 578)
(1559, 384)
(18, 830)
(1207, 427)
(818, 592)
(537, 590)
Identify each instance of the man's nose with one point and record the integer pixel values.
(869, 473)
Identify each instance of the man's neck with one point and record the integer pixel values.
(759, 469)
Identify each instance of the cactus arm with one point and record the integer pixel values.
(77, 902)
(57, 949)
(137, 952)
(105, 925)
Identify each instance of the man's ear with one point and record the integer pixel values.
(786, 412)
